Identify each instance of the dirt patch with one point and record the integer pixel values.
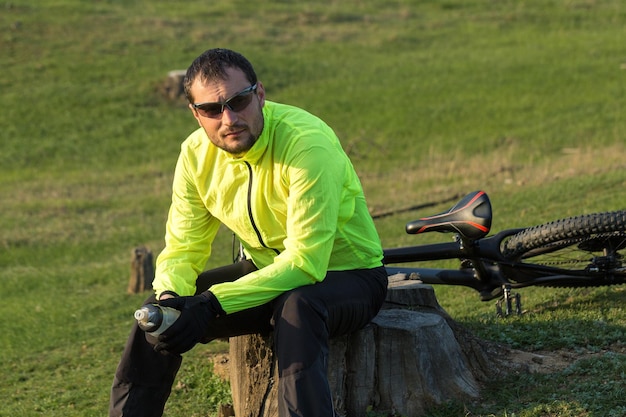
(547, 362)
(220, 365)
(543, 362)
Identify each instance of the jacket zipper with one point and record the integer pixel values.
(254, 226)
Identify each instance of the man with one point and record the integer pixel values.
(278, 178)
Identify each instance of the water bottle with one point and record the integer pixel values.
(155, 319)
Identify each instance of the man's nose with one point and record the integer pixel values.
(229, 116)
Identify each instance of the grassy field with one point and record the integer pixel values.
(431, 99)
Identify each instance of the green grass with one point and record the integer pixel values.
(431, 99)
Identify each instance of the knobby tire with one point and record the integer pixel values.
(593, 244)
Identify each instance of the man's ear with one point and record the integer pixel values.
(260, 92)
(195, 114)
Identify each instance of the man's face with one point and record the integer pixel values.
(233, 131)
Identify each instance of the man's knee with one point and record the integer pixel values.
(298, 308)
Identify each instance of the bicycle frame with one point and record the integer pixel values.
(480, 260)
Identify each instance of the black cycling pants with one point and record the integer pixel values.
(302, 320)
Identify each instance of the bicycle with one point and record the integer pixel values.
(581, 251)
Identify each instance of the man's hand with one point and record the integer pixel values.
(196, 312)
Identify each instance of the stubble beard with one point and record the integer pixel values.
(244, 143)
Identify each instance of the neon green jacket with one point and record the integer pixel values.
(293, 200)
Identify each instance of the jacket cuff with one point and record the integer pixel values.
(168, 293)
(214, 304)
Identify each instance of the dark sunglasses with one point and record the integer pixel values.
(236, 103)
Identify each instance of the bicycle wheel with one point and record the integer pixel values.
(592, 245)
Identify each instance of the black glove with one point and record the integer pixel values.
(196, 312)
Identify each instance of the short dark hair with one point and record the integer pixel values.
(212, 64)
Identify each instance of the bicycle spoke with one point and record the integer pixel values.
(592, 253)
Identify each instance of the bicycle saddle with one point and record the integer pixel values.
(470, 217)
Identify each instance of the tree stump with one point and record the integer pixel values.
(172, 87)
(412, 356)
(141, 270)
(253, 376)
